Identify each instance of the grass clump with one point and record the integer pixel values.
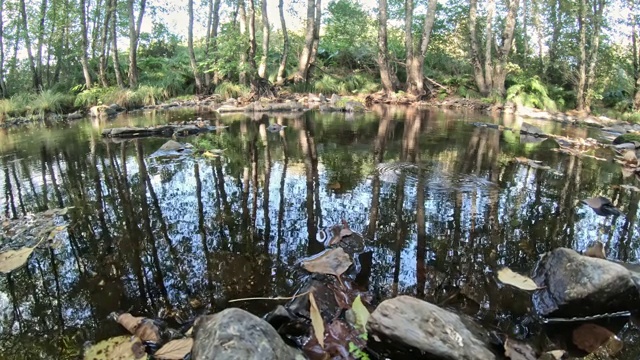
(230, 90)
(127, 98)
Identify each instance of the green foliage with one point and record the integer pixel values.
(531, 92)
(130, 99)
(49, 101)
(349, 37)
(357, 353)
(229, 90)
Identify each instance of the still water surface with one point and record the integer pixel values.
(439, 200)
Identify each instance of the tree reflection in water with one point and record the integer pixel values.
(188, 234)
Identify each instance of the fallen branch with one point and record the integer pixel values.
(437, 84)
(271, 298)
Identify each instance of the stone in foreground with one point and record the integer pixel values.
(437, 333)
(234, 334)
(574, 285)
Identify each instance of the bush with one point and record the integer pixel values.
(531, 92)
(229, 90)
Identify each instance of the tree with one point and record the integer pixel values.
(192, 54)
(134, 36)
(383, 49)
(491, 79)
(285, 45)
(242, 14)
(213, 21)
(84, 60)
(262, 69)
(305, 55)
(415, 69)
(588, 52)
(37, 83)
(633, 19)
(3, 84)
(114, 45)
(102, 63)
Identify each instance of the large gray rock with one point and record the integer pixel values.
(437, 333)
(234, 334)
(574, 285)
(529, 129)
(354, 106)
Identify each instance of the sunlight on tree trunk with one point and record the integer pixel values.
(262, 70)
(192, 54)
(285, 45)
(114, 46)
(37, 86)
(415, 78)
(102, 61)
(84, 60)
(242, 14)
(383, 49)
(305, 55)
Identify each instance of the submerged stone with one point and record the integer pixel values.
(418, 325)
(234, 334)
(573, 285)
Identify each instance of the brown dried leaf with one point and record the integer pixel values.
(518, 351)
(553, 355)
(316, 320)
(129, 321)
(597, 202)
(332, 262)
(175, 349)
(507, 276)
(589, 337)
(13, 259)
(148, 331)
(630, 157)
(596, 251)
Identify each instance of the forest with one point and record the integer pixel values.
(559, 55)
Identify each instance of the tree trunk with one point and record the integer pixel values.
(475, 51)
(636, 63)
(3, 84)
(192, 54)
(500, 69)
(43, 13)
(408, 34)
(37, 86)
(525, 36)
(114, 45)
(316, 37)
(582, 60)
(84, 43)
(415, 80)
(262, 69)
(305, 55)
(383, 48)
(96, 29)
(104, 37)
(488, 47)
(252, 37)
(242, 15)
(212, 34)
(134, 35)
(593, 50)
(285, 46)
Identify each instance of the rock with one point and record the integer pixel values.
(529, 129)
(171, 145)
(334, 99)
(574, 285)
(322, 98)
(354, 106)
(234, 334)
(75, 115)
(229, 109)
(117, 108)
(313, 98)
(625, 138)
(437, 333)
(101, 110)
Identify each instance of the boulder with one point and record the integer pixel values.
(75, 115)
(334, 99)
(313, 98)
(529, 129)
(117, 107)
(226, 108)
(234, 334)
(573, 285)
(354, 106)
(101, 110)
(627, 138)
(433, 331)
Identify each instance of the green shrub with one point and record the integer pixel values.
(531, 92)
(229, 90)
(49, 101)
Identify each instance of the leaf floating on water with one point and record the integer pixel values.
(601, 206)
(590, 337)
(209, 154)
(596, 251)
(506, 276)
(116, 348)
(14, 259)
(518, 351)
(332, 262)
(361, 313)
(174, 349)
(129, 321)
(316, 320)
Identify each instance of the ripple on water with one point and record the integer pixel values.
(436, 178)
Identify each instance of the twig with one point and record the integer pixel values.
(271, 298)
(435, 83)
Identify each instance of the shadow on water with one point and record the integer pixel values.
(439, 200)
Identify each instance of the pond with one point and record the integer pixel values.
(439, 200)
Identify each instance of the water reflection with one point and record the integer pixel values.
(439, 200)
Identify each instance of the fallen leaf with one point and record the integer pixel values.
(209, 154)
(506, 276)
(129, 321)
(13, 259)
(553, 355)
(590, 337)
(147, 331)
(596, 251)
(332, 262)
(601, 206)
(117, 348)
(316, 320)
(630, 157)
(361, 313)
(175, 349)
(518, 351)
